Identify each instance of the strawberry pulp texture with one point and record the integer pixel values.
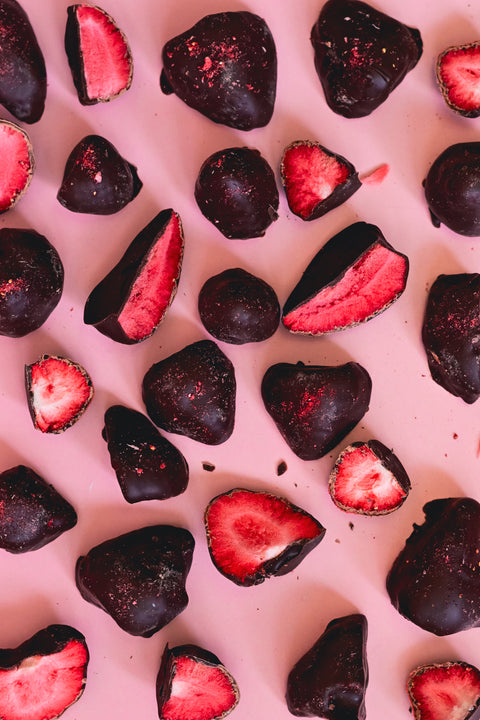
(448, 691)
(16, 164)
(458, 74)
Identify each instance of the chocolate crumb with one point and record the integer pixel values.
(351, 525)
(208, 467)
(281, 467)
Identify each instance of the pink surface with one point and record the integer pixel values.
(257, 632)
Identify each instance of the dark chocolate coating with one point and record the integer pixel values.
(452, 189)
(361, 55)
(23, 75)
(31, 281)
(139, 578)
(236, 191)
(147, 465)
(48, 641)
(97, 179)
(33, 512)
(315, 406)
(238, 307)
(450, 334)
(225, 67)
(192, 393)
(331, 679)
(434, 581)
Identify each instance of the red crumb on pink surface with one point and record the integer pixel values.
(377, 176)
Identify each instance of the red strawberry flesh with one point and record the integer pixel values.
(458, 74)
(448, 691)
(16, 164)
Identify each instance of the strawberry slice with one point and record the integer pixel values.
(254, 535)
(315, 179)
(58, 392)
(447, 691)
(368, 479)
(458, 75)
(98, 54)
(193, 683)
(16, 164)
(42, 677)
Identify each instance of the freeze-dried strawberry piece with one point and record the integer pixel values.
(315, 179)
(132, 300)
(58, 392)
(98, 54)
(43, 676)
(368, 479)
(353, 278)
(16, 164)
(193, 683)
(444, 691)
(458, 75)
(255, 535)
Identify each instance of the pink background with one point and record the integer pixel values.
(258, 632)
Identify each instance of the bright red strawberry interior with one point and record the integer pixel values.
(105, 55)
(445, 692)
(199, 691)
(60, 390)
(366, 288)
(363, 484)
(310, 176)
(16, 164)
(460, 74)
(246, 529)
(43, 686)
(152, 291)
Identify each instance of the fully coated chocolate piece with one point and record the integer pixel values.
(139, 578)
(147, 465)
(225, 67)
(236, 191)
(361, 55)
(192, 393)
(31, 281)
(452, 189)
(331, 679)
(435, 579)
(450, 334)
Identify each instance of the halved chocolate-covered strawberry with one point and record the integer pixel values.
(16, 164)
(254, 535)
(98, 54)
(315, 179)
(132, 300)
(449, 690)
(356, 275)
(458, 76)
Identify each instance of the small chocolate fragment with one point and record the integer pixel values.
(208, 467)
(281, 467)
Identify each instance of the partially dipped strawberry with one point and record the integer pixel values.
(458, 76)
(98, 54)
(16, 164)
(193, 683)
(444, 691)
(133, 298)
(355, 276)
(43, 676)
(256, 535)
(368, 479)
(315, 179)
(59, 391)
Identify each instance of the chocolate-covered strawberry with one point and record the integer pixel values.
(33, 512)
(236, 191)
(193, 683)
(434, 581)
(355, 276)
(98, 54)
(238, 307)
(444, 690)
(44, 675)
(225, 66)
(139, 578)
(450, 333)
(147, 465)
(23, 79)
(97, 179)
(330, 680)
(458, 76)
(315, 406)
(315, 179)
(131, 301)
(16, 164)
(254, 535)
(193, 393)
(361, 55)
(31, 281)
